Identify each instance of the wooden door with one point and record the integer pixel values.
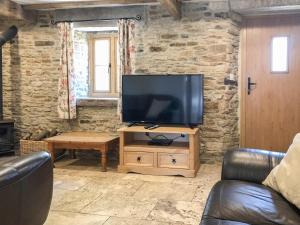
(271, 111)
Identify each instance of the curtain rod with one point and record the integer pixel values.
(137, 18)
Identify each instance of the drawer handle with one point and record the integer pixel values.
(139, 159)
(174, 161)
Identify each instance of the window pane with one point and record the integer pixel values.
(280, 54)
(102, 63)
(102, 78)
(102, 50)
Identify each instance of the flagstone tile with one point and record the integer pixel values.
(210, 169)
(84, 195)
(150, 178)
(74, 201)
(57, 195)
(70, 218)
(207, 174)
(202, 193)
(69, 182)
(94, 174)
(168, 191)
(113, 186)
(130, 221)
(115, 205)
(177, 211)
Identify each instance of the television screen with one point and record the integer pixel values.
(162, 99)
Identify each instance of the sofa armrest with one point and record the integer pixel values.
(26, 185)
(252, 165)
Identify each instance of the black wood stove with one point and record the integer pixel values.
(6, 125)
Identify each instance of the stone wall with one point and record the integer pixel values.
(205, 41)
(30, 77)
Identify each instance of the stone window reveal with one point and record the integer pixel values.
(96, 62)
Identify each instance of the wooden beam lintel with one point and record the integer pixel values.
(88, 4)
(13, 10)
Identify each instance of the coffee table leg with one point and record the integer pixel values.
(104, 158)
(51, 151)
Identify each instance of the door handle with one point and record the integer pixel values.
(250, 84)
(109, 69)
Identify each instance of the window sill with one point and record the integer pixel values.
(97, 102)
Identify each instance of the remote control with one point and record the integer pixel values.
(153, 127)
(148, 126)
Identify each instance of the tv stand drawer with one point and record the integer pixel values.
(166, 160)
(139, 159)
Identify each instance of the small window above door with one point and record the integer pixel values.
(279, 57)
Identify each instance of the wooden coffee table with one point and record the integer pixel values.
(83, 141)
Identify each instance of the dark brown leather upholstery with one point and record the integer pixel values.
(251, 165)
(240, 198)
(26, 185)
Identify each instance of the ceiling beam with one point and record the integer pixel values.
(100, 13)
(13, 10)
(173, 7)
(88, 4)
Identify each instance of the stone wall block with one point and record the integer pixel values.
(43, 43)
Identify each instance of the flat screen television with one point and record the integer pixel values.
(163, 99)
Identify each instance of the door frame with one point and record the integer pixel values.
(242, 81)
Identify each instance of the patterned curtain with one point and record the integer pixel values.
(66, 93)
(126, 50)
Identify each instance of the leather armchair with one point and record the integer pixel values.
(26, 185)
(240, 198)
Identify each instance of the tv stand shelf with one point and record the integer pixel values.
(179, 158)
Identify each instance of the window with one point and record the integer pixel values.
(279, 54)
(103, 64)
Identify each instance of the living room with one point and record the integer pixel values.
(68, 71)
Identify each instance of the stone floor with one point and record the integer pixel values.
(85, 196)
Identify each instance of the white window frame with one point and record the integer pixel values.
(114, 90)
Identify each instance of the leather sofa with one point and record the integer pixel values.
(240, 198)
(26, 185)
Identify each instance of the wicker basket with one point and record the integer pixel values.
(27, 146)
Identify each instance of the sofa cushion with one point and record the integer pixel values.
(284, 178)
(248, 203)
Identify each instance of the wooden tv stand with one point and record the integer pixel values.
(179, 158)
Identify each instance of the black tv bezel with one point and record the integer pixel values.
(156, 122)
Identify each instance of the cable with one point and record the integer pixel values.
(163, 137)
